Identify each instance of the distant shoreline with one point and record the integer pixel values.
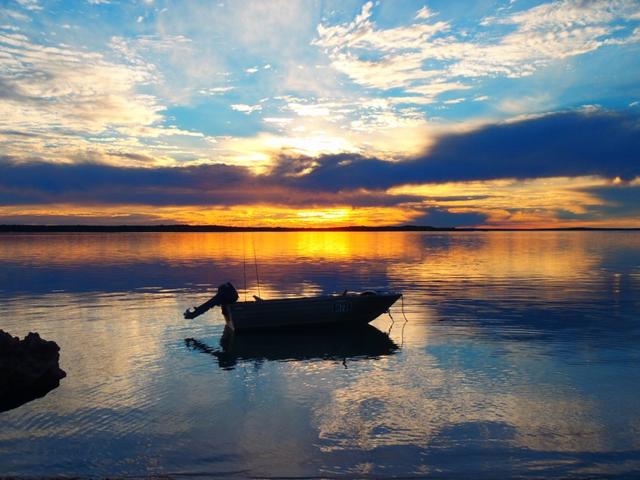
(223, 228)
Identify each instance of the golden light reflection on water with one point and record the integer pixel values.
(548, 253)
(177, 247)
(407, 258)
(508, 255)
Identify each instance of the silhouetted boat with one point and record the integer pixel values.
(361, 342)
(346, 309)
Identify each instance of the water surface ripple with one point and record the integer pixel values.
(519, 359)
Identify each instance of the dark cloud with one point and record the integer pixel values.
(62, 179)
(441, 217)
(133, 156)
(456, 198)
(9, 91)
(619, 201)
(564, 144)
(18, 133)
(44, 183)
(62, 219)
(618, 195)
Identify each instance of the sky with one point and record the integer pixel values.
(307, 113)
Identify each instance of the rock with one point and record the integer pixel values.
(29, 369)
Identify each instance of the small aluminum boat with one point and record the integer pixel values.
(346, 309)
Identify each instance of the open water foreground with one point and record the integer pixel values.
(520, 357)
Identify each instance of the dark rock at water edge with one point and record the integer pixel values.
(29, 369)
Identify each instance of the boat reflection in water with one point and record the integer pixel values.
(362, 342)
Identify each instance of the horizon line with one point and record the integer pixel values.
(177, 228)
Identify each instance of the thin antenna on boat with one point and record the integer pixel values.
(244, 267)
(255, 261)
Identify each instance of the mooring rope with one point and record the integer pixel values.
(405, 320)
(393, 320)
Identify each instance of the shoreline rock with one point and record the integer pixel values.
(29, 369)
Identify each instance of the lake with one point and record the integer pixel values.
(519, 357)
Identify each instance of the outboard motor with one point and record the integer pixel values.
(226, 294)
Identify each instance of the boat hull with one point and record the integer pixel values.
(304, 313)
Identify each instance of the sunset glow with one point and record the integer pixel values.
(302, 114)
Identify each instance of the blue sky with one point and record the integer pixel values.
(277, 90)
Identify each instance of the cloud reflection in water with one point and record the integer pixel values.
(520, 348)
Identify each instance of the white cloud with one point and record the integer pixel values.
(305, 110)
(251, 70)
(63, 104)
(396, 57)
(147, 131)
(32, 5)
(181, 66)
(13, 15)
(524, 104)
(424, 13)
(216, 90)
(241, 107)
(278, 120)
(567, 14)
(73, 89)
(431, 90)
(393, 71)
(361, 33)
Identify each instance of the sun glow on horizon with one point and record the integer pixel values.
(506, 203)
(374, 113)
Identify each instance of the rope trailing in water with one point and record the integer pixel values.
(393, 320)
(405, 320)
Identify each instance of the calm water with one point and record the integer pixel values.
(520, 357)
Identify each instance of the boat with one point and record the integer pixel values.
(343, 309)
